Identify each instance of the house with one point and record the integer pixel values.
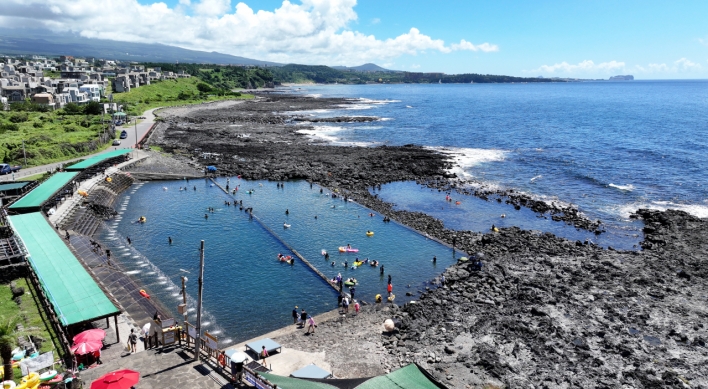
(14, 93)
(44, 99)
(93, 91)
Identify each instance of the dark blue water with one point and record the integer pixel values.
(609, 148)
(247, 291)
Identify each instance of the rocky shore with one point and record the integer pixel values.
(544, 312)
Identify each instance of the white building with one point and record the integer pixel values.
(93, 91)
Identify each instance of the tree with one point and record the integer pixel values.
(93, 108)
(72, 109)
(203, 87)
(8, 333)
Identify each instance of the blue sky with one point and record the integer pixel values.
(586, 39)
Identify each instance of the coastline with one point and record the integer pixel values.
(541, 301)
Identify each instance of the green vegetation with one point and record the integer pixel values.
(221, 77)
(49, 136)
(51, 74)
(32, 319)
(327, 75)
(168, 93)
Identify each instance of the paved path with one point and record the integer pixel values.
(142, 129)
(171, 367)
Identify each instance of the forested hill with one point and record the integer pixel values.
(230, 77)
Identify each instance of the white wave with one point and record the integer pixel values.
(465, 158)
(133, 272)
(628, 187)
(356, 106)
(385, 119)
(697, 210)
(374, 101)
(325, 133)
(315, 95)
(408, 106)
(536, 178)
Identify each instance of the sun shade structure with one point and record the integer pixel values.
(409, 377)
(90, 162)
(33, 200)
(120, 379)
(311, 371)
(12, 186)
(74, 294)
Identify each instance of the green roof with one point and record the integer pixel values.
(294, 383)
(409, 377)
(14, 185)
(33, 200)
(89, 162)
(74, 294)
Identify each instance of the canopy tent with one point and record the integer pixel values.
(13, 186)
(97, 159)
(34, 200)
(409, 377)
(311, 371)
(119, 114)
(74, 294)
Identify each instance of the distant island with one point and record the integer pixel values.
(622, 78)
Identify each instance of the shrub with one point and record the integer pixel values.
(204, 88)
(8, 127)
(93, 108)
(72, 109)
(37, 124)
(19, 117)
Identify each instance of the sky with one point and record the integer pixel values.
(580, 39)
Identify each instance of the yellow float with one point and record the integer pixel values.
(109, 179)
(369, 233)
(30, 381)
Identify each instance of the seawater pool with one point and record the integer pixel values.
(247, 291)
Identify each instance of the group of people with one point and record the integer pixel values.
(345, 302)
(302, 318)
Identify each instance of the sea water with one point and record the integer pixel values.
(608, 147)
(247, 291)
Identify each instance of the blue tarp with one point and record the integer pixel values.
(311, 371)
(211, 168)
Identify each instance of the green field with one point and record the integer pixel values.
(32, 320)
(60, 135)
(168, 93)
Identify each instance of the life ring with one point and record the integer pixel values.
(369, 233)
(144, 293)
(109, 179)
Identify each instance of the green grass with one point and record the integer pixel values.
(35, 177)
(48, 136)
(51, 74)
(31, 318)
(166, 93)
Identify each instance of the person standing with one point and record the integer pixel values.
(222, 359)
(264, 354)
(295, 315)
(352, 290)
(382, 269)
(435, 259)
(303, 317)
(345, 304)
(132, 340)
(389, 279)
(389, 289)
(129, 241)
(356, 307)
(442, 280)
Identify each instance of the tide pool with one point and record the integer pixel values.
(247, 291)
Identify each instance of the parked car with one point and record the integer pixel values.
(7, 169)
(123, 134)
(116, 142)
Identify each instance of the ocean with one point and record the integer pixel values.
(609, 148)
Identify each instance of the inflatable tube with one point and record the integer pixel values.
(47, 375)
(324, 252)
(29, 381)
(349, 283)
(463, 259)
(8, 385)
(369, 233)
(144, 293)
(391, 297)
(285, 258)
(109, 179)
(348, 250)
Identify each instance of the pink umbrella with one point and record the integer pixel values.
(95, 334)
(121, 379)
(86, 347)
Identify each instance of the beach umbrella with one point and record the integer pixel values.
(236, 356)
(121, 379)
(86, 347)
(95, 334)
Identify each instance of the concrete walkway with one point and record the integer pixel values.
(170, 367)
(141, 129)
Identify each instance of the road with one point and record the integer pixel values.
(129, 142)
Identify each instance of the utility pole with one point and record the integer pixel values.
(198, 340)
(23, 151)
(184, 297)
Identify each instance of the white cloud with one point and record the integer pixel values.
(682, 65)
(312, 31)
(702, 41)
(212, 7)
(464, 45)
(586, 66)
(375, 21)
(415, 66)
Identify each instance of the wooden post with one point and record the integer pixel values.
(108, 323)
(117, 332)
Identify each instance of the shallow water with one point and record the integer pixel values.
(247, 291)
(479, 215)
